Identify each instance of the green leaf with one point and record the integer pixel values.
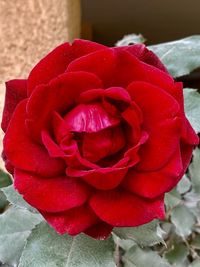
(183, 220)
(137, 257)
(145, 235)
(5, 179)
(177, 255)
(46, 248)
(184, 185)
(195, 263)
(15, 198)
(172, 199)
(196, 242)
(181, 56)
(192, 107)
(15, 226)
(125, 244)
(3, 201)
(131, 39)
(194, 171)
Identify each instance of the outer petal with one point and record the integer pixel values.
(120, 208)
(120, 68)
(57, 61)
(52, 194)
(15, 92)
(23, 152)
(100, 231)
(59, 95)
(160, 111)
(156, 183)
(144, 54)
(186, 153)
(73, 221)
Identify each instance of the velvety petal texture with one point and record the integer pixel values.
(96, 136)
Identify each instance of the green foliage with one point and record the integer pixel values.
(192, 107)
(145, 235)
(15, 227)
(5, 180)
(46, 248)
(137, 257)
(131, 39)
(180, 57)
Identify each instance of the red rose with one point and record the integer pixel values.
(95, 136)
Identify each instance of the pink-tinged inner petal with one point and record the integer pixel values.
(73, 221)
(60, 95)
(50, 194)
(89, 118)
(121, 208)
(16, 90)
(24, 153)
(156, 183)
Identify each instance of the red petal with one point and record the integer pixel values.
(96, 146)
(186, 154)
(89, 118)
(101, 63)
(15, 92)
(120, 208)
(100, 231)
(91, 95)
(72, 154)
(23, 152)
(133, 116)
(50, 194)
(73, 221)
(53, 149)
(190, 136)
(118, 93)
(119, 68)
(56, 62)
(147, 56)
(102, 178)
(156, 106)
(160, 146)
(159, 121)
(156, 183)
(82, 47)
(59, 95)
(50, 66)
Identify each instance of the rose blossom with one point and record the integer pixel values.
(95, 136)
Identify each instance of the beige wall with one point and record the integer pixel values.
(31, 28)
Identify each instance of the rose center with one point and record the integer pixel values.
(98, 133)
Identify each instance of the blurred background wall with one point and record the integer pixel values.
(107, 21)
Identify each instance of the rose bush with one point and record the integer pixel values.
(95, 136)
